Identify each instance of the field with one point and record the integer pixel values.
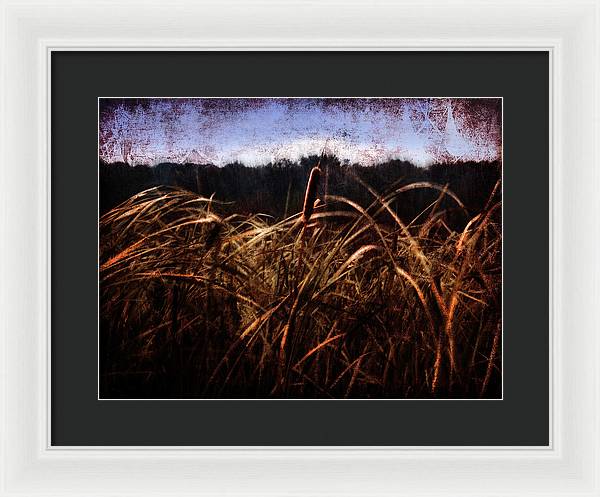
(311, 280)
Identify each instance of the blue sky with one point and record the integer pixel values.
(257, 131)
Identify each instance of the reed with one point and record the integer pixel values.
(310, 197)
(195, 303)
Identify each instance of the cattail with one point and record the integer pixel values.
(311, 194)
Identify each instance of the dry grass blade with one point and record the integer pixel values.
(490, 364)
(317, 348)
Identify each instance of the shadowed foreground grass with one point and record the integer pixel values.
(343, 301)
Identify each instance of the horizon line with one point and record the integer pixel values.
(290, 162)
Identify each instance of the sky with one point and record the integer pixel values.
(256, 131)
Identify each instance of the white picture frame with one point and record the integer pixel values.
(568, 30)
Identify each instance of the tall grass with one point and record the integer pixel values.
(339, 301)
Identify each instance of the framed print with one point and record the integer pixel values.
(189, 188)
(261, 210)
(356, 246)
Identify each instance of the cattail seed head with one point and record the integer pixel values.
(311, 194)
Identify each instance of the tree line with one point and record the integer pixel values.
(277, 189)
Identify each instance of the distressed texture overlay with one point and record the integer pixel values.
(256, 131)
(297, 248)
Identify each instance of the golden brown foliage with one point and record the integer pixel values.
(362, 305)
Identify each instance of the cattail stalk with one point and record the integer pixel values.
(311, 194)
(310, 198)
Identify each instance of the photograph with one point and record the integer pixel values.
(330, 248)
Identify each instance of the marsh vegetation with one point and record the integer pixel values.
(379, 282)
